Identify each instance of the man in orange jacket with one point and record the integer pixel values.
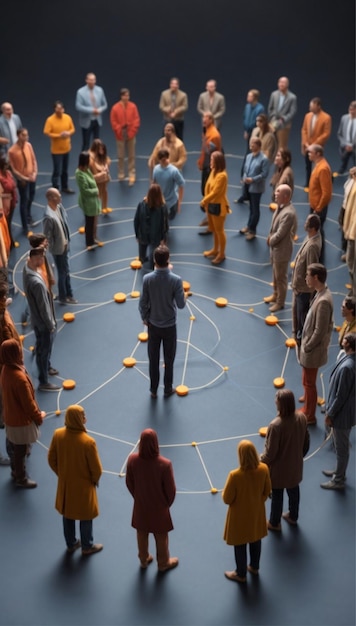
(316, 129)
(320, 187)
(125, 122)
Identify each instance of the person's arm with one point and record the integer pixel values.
(47, 130)
(130, 478)
(229, 491)
(322, 320)
(183, 106)
(179, 294)
(221, 109)
(217, 190)
(144, 304)
(200, 105)
(164, 106)
(85, 184)
(272, 444)
(286, 227)
(94, 463)
(168, 484)
(34, 164)
(115, 121)
(80, 104)
(15, 171)
(182, 156)
(103, 104)
(326, 189)
(48, 230)
(325, 131)
(26, 399)
(344, 383)
(135, 123)
(52, 455)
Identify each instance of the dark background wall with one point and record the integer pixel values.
(49, 47)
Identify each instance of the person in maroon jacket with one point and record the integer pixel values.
(150, 480)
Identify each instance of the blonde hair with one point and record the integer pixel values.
(248, 456)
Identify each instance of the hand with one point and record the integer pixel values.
(43, 414)
(267, 240)
(248, 180)
(328, 421)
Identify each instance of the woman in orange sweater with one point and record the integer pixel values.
(216, 205)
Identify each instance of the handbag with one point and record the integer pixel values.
(214, 208)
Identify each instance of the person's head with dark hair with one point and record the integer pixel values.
(4, 290)
(285, 402)
(37, 239)
(312, 223)
(163, 155)
(58, 108)
(317, 270)
(75, 418)
(148, 447)
(315, 152)
(217, 161)
(98, 148)
(315, 105)
(36, 257)
(283, 158)
(255, 145)
(262, 123)
(154, 197)
(248, 457)
(83, 161)
(4, 165)
(349, 342)
(161, 256)
(124, 94)
(348, 307)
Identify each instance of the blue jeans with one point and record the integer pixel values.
(86, 532)
(27, 194)
(94, 130)
(254, 217)
(44, 343)
(277, 504)
(60, 170)
(64, 285)
(168, 336)
(241, 557)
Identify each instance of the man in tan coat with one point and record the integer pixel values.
(280, 240)
(173, 104)
(73, 456)
(316, 335)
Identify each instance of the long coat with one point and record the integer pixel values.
(246, 492)
(287, 441)
(281, 235)
(317, 330)
(88, 199)
(73, 456)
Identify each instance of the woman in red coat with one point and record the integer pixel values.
(150, 480)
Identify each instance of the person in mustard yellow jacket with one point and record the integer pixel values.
(73, 456)
(246, 490)
(216, 205)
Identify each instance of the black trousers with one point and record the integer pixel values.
(168, 337)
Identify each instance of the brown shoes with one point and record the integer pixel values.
(172, 563)
(277, 528)
(269, 299)
(276, 307)
(218, 260)
(208, 253)
(74, 547)
(147, 562)
(233, 576)
(26, 484)
(96, 547)
(288, 519)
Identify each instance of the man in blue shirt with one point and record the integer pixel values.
(162, 293)
(171, 181)
(254, 176)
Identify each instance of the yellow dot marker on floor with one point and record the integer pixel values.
(262, 431)
(221, 302)
(296, 237)
(68, 317)
(271, 320)
(279, 382)
(320, 401)
(213, 490)
(120, 297)
(136, 264)
(292, 265)
(22, 338)
(337, 328)
(81, 230)
(182, 390)
(186, 285)
(226, 368)
(58, 412)
(129, 361)
(251, 309)
(32, 348)
(194, 444)
(192, 318)
(135, 294)
(108, 210)
(306, 189)
(273, 206)
(348, 286)
(16, 244)
(143, 336)
(68, 384)
(291, 342)
(335, 174)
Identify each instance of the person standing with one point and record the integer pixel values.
(175, 147)
(349, 229)
(316, 335)
(23, 164)
(255, 172)
(8, 194)
(91, 103)
(346, 135)
(340, 411)
(216, 205)
(316, 129)
(320, 187)
(246, 491)
(171, 181)
(282, 108)
(287, 442)
(88, 199)
(210, 101)
(99, 166)
(74, 458)
(173, 104)
(40, 302)
(280, 241)
(151, 224)
(150, 480)
(125, 122)
(348, 312)
(162, 293)
(10, 123)
(59, 128)
(211, 141)
(22, 415)
(308, 253)
(56, 230)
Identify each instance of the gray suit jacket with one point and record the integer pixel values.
(309, 252)
(39, 300)
(5, 132)
(217, 107)
(343, 132)
(84, 105)
(281, 236)
(288, 110)
(56, 229)
(317, 330)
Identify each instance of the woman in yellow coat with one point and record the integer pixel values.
(216, 205)
(73, 456)
(246, 491)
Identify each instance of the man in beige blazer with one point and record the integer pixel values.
(316, 129)
(316, 335)
(173, 104)
(213, 102)
(280, 240)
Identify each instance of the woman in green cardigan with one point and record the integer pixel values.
(88, 199)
